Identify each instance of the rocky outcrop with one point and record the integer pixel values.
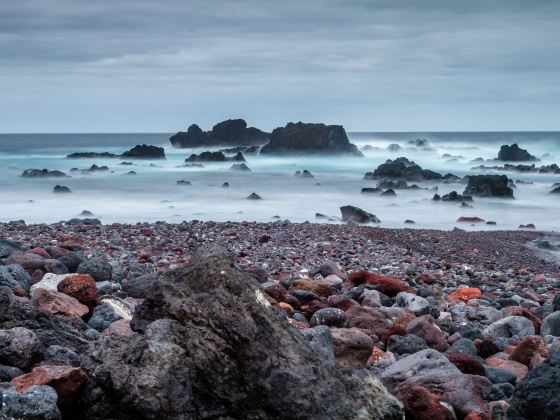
(301, 138)
(357, 215)
(207, 344)
(488, 186)
(144, 151)
(215, 157)
(227, 133)
(514, 153)
(42, 173)
(92, 155)
(402, 168)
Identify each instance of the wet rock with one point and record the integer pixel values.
(37, 402)
(19, 347)
(355, 214)
(206, 332)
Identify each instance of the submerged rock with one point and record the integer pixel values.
(355, 214)
(488, 186)
(144, 151)
(402, 168)
(202, 340)
(42, 173)
(514, 153)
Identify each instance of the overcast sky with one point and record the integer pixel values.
(371, 65)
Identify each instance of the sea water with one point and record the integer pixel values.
(153, 194)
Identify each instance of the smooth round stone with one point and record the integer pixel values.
(551, 325)
(331, 317)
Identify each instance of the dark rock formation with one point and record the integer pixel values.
(207, 344)
(227, 133)
(240, 167)
(402, 168)
(95, 168)
(254, 196)
(455, 196)
(144, 151)
(214, 157)
(42, 173)
(514, 153)
(86, 221)
(357, 215)
(92, 155)
(488, 186)
(61, 189)
(508, 167)
(371, 190)
(300, 138)
(304, 174)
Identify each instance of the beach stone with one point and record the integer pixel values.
(498, 375)
(518, 369)
(7, 373)
(320, 288)
(536, 396)
(459, 390)
(57, 303)
(333, 281)
(103, 316)
(425, 328)
(279, 293)
(386, 285)
(342, 302)
(48, 282)
(81, 287)
(368, 319)
(465, 346)
(97, 268)
(19, 347)
(357, 215)
(407, 344)
(65, 380)
(370, 298)
(8, 279)
(329, 268)
(421, 404)
(55, 266)
(528, 348)
(352, 347)
(331, 317)
(56, 355)
(321, 341)
(8, 246)
(509, 327)
(415, 304)
(501, 391)
(551, 325)
(139, 287)
(29, 261)
(465, 294)
(417, 364)
(37, 403)
(120, 327)
(519, 311)
(209, 323)
(466, 363)
(72, 260)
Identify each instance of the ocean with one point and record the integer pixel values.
(153, 194)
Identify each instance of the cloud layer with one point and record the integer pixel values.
(372, 65)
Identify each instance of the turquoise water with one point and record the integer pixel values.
(153, 194)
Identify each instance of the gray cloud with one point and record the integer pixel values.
(146, 65)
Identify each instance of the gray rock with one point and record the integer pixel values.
(8, 246)
(139, 287)
(14, 276)
(416, 304)
(97, 268)
(331, 317)
(551, 325)
(72, 260)
(320, 340)
(408, 344)
(421, 363)
(371, 298)
(19, 347)
(498, 375)
(36, 403)
(7, 373)
(509, 327)
(56, 355)
(103, 316)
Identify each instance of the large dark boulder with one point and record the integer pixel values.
(215, 157)
(7, 246)
(536, 396)
(227, 133)
(42, 173)
(488, 186)
(402, 168)
(514, 153)
(207, 344)
(301, 138)
(144, 151)
(91, 155)
(357, 215)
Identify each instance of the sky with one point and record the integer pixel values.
(370, 65)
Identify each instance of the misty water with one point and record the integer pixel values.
(153, 194)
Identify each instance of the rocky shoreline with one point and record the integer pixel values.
(140, 321)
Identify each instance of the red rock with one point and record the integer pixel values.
(342, 302)
(367, 318)
(518, 369)
(280, 294)
(36, 276)
(421, 404)
(393, 330)
(528, 348)
(57, 303)
(465, 294)
(55, 266)
(477, 416)
(40, 251)
(466, 363)
(82, 288)
(120, 327)
(424, 327)
(313, 307)
(286, 307)
(66, 380)
(464, 219)
(376, 354)
(386, 285)
(426, 278)
(29, 261)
